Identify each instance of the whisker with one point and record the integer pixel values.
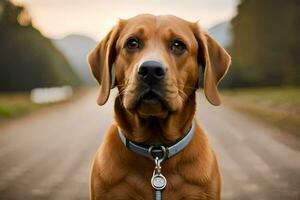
(189, 87)
(182, 94)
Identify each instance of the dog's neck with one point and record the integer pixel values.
(156, 130)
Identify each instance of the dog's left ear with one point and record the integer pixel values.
(215, 62)
(101, 60)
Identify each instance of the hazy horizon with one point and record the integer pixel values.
(59, 18)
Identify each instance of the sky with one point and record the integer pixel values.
(94, 18)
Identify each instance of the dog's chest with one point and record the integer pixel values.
(139, 188)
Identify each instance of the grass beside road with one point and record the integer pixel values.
(16, 104)
(279, 106)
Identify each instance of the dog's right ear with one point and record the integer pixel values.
(101, 60)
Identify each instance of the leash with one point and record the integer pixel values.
(158, 153)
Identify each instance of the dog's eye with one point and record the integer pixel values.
(177, 47)
(132, 43)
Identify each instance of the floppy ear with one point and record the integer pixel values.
(101, 60)
(215, 61)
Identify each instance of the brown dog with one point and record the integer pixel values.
(156, 62)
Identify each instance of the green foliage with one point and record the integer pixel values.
(27, 58)
(266, 44)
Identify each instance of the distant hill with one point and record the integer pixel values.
(27, 58)
(222, 33)
(75, 48)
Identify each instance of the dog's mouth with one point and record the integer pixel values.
(151, 103)
(150, 96)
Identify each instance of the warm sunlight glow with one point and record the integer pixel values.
(57, 18)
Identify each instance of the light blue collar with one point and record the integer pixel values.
(161, 151)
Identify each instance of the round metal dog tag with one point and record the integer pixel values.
(158, 181)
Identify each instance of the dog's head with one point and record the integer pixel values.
(156, 63)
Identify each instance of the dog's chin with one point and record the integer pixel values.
(147, 104)
(151, 108)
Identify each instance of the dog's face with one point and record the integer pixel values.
(156, 64)
(155, 61)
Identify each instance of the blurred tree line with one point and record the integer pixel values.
(27, 58)
(266, 44)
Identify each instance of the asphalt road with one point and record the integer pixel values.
(47, 154)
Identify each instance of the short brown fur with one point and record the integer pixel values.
(118, 173)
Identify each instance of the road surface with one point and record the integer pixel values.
(47, 154)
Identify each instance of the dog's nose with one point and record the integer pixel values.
(151, 70)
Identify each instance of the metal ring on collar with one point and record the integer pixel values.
(164, 152)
